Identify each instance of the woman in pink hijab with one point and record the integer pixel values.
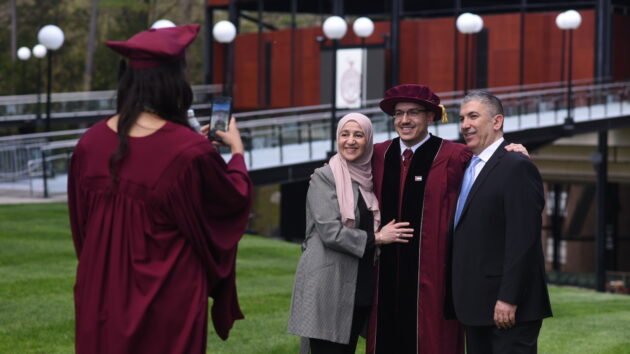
(333, 283)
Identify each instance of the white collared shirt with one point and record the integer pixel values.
(486, 154)
(404, 147)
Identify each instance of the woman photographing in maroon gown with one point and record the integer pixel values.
(156, 213)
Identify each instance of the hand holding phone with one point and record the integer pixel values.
(230, 138)
(220, 113)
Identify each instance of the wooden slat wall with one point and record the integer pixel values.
(620, 48)
(427, 55)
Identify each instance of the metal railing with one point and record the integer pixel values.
(78, 105)
(288, 136)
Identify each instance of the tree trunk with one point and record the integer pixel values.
(91, 47)
(186, 6)
(13, 31)
(14, 44)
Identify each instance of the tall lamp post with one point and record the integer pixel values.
(468, 23)
(39, 51)
(363, 27)
(23, 54)
(225, 32)
(569, 20)
(51, 37)
(334, 29)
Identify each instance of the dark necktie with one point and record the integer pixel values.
(407, 155)
(406, 162)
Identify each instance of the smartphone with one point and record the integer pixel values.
(220, 113)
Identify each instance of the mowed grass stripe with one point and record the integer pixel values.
(38, 265)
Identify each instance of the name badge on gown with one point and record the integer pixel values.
(417, 178)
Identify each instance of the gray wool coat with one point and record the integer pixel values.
(326, 277)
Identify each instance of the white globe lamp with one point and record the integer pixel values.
(39, 51)
(468, 23)
(24, 53)
(363, 27)
(51, 37)
(335, 27)
(163, 23)
(224, 31)
(569, 20)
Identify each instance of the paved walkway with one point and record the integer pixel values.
(23, 197)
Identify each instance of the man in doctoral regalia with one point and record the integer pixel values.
(417, 177)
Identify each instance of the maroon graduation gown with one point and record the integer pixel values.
(152, 249)
(430, 196)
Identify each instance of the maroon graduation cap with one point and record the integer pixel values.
(419, 94)
(156, 46)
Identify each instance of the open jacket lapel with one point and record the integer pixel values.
(494, 160)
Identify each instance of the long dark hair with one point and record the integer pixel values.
(162, 90)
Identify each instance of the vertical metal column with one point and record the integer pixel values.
(521, 58)
(466, 63)
(268, 60)
(569, 120)
(338, 8)
(556, 225)
(38, 108)
(44, 173)
(612, 219)
(338, 11)
(292, 74)
(562, 60)
(395, 42)
(208, 52)
(208, 58)
(261, 57)
(457, 7)
(229, 63)
(603, 55)
(601, 166)
(48, 92)
(333, 96)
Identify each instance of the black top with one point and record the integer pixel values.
(365, 280)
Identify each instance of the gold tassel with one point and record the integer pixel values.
(444, 115)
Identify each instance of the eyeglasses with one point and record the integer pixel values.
(412, 113)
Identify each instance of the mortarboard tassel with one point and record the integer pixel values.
(444, 115)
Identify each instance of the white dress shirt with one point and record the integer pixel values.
(404, 147)
(486, 154)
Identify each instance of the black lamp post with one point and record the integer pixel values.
(39, 51)
(23, 54)
(225, 32)
(569, 20)
(51, 37)
(363, 27)
(468, 24)
(334, 29)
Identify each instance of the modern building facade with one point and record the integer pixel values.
(520, 45)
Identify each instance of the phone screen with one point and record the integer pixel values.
(220, 113)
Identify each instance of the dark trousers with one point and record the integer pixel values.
(320, 346)
(520, 339)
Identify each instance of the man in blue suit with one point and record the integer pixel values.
(498, 283)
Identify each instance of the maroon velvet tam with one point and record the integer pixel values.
(419, 94)
(154, 47)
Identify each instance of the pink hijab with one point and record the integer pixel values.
(360, 171)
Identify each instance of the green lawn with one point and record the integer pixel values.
(37, 266)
